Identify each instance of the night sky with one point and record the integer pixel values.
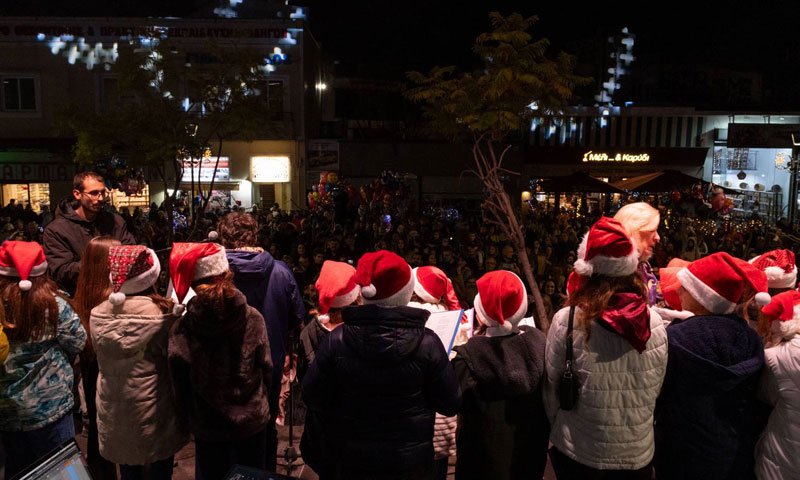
(384, 39)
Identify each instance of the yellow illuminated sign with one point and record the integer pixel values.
(591, 156)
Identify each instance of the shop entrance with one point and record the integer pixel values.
(35, 194)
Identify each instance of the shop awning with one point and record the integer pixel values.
(578, 182)
(665, 181)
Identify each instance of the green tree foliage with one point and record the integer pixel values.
(491, 106)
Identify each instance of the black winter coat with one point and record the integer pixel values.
(66, 237)
(381, 377)
(503, 430)
(707, 416)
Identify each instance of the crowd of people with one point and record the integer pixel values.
(667, 351)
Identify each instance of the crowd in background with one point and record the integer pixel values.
(464, 247)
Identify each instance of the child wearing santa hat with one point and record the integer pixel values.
(779, 445)
(381, 377)
(220, 362)
(337, 289)
(781, 271)
(433, 291)
(619, 356)
(36, 381)
(706, 410)
(501, 371)
(129, 333)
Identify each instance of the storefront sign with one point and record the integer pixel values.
(270, 169)
(203, 169)
(36, 172)
(591, 156)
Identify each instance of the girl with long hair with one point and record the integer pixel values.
(92, 289)
(220, 363)
(619, 358)
(137, 420)
(36, 380)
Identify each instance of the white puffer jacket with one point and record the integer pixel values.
(611, 427)
(778, 448)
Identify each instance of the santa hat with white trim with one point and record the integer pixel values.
(785, 308)
(718, 281)
(607, 250)
(780, 267)
(336, 285)
(131, 269)
(432, 286)
(385, 279)
(189, 262)
(23, 260)
(501, 301)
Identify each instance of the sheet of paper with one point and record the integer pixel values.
(445, 325)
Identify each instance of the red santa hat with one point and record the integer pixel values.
(336, 285)
(132, 269)
(718, 280)
(668, 279)
(23, 260)
(785, 308)
(606, 250)
(385, 279)
(432, 286)
(780, 267)
(189, 262)
(501, 301)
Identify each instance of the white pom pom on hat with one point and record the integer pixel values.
(117, 298)
(25, 285)
(369, 291)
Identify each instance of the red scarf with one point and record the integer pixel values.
(628, 316)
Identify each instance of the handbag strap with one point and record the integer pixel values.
(569, 336)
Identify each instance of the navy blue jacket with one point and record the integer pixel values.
(379, 379)
(707, 420)
(270, 288)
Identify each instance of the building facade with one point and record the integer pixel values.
(50, 64)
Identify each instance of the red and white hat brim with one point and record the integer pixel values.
(790, 328)
(603, 265)
(423, 294)
(144, 280)
(777, 277)
(36, 271)
(705, 295)
(212, 265)
(341, 301)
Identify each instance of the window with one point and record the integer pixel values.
(275, 96)
(18, 94)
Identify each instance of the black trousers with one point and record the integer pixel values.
(568, 469)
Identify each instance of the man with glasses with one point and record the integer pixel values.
(77, 221)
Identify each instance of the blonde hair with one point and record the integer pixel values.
(638, 216)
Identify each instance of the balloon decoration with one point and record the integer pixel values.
(330, 191)
(118, 175)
